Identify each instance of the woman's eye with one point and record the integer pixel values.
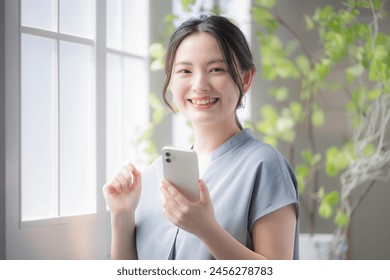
(184, 71)
(217, 70)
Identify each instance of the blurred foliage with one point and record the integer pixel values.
(347, 45)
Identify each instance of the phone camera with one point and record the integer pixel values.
(168, 154)
(168, 160)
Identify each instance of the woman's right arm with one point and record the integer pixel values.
(122, 195)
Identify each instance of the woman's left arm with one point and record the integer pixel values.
(272, 235)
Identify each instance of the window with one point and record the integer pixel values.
(127, 106)
(57, 108)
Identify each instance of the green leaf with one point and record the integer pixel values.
(318, 118)
(322, 15)
(380, 52)
(302, 170)
(186, 4)
(280, 94)
(287, 136)
(335, 45)
(309, 23)
(303, 63)
(369, 150)
(378, 70)
(307, 155)
(354, 71)
(332, 198)
(272, 140)
(322, 68)
(158, 109)
(269, 112)
(374, 94)
(286, 69)
(341, 219)
(266, 3)
(325, 210)
(262, 16)
(301, 185)
(321, 192)
(336, 161)
(157, 65)
(156, 50)
(296, 111)
(269, 72)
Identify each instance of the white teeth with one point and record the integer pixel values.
(204, 101)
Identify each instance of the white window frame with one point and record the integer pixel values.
(58, 37)
(13, 152)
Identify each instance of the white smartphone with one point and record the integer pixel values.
(181, 170)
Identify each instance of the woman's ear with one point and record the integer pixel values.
(247, 79)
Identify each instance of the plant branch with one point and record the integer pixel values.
(296, 36)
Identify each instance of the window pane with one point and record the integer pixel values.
(136, 27)
(135, 92)
(135, 105)
(77, 141)
(127, 109)
(37, 105)
(127, 26)
(39, 14)
(77, 17)
(114, 27)
(113, 114)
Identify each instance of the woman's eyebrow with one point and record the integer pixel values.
(211, 61)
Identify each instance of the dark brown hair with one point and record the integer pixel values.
(231, 40)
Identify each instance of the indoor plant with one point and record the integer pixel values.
(359, 52)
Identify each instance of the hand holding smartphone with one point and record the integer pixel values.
(180, 168)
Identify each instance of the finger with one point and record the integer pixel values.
(169, 204)
(175, 193)
(136, 175)
(123, 181)
(111, 187)
(127, 177)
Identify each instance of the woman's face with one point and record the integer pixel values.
(202, 88)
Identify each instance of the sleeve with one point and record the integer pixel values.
(275, 186)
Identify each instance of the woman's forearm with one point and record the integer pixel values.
(223, 246)
(123, 237)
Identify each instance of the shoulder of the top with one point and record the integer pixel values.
(260, 150)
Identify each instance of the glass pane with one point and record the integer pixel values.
(77, 17)
(127, 110)
(136, 27)
(77, 130)
(40, 14)
(135, 105)
(37, 105)
(114, 156)
(127, 26)
(114, 27)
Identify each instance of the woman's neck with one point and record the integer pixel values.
(209, 138)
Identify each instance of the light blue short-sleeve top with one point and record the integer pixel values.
(246, 178)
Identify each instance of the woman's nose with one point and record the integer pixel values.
(200, 83)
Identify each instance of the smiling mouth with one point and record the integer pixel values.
(203, 101)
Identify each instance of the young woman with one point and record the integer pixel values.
(248, 206)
